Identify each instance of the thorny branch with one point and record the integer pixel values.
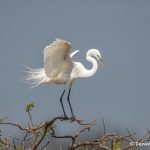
(35, 136)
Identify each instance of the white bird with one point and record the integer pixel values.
(59, 68)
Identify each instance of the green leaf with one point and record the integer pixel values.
(29, 106)
(117, 145)
(19, 148)
(44, 148)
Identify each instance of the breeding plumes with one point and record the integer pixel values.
(59, 68)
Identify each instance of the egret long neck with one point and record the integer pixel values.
(92, 71)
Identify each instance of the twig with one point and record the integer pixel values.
(30, 117)
(36, 134)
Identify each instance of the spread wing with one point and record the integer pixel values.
(57, 58)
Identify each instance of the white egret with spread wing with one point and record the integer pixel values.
(59, 68)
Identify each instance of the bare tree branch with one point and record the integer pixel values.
(35, 136)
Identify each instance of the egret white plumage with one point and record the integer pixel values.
(59, 68)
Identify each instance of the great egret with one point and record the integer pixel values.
(59, 68)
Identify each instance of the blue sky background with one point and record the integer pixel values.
(118, 92)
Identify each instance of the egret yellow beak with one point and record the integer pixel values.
(100, 60)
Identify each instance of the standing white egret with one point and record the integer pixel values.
(59, 68)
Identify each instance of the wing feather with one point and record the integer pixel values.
(73, 53)
(57, 59)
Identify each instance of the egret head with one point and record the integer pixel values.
(96, 54)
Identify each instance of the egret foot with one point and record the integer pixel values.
(65, 118)
(73, 118)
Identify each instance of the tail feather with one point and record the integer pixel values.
(35, 77)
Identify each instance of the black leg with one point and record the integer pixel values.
(61, 98)
(68, 98)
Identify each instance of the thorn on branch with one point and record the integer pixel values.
(36, 135)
